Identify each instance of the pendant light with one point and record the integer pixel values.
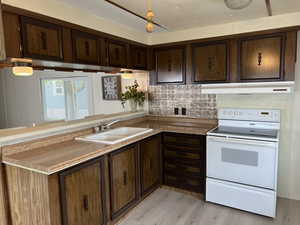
(127, 74)
(237, 4)
(150, 16)
(22, 67)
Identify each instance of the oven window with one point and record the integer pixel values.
(242, 157)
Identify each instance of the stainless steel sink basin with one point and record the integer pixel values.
(116, 135)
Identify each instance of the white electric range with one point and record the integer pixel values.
(242, 160)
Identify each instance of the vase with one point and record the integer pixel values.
(133, 105)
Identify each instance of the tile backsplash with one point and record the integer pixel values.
(164, 98)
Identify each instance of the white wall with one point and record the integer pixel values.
(22, 104)
(66, 12)
(289, 155)
(23, 98)
(2, 107)
(106, 107)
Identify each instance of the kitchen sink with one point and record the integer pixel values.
(114, 136)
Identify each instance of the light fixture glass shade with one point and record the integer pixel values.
(150, 15)
(22, 69)
(149, 27)
(237, 4)
(127, 75)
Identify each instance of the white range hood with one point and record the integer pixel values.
(284, 87)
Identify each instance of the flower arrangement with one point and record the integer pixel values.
(134, 96)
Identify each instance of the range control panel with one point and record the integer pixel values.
(249, 115)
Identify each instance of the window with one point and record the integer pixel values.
(58, 90)
(66, 98)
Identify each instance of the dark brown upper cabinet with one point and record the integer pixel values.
(86, 48)
(210, 62)
(83, 194)
(13, 40)
(170, 65)
(261, 58)
(138, 57)
(117, 53)
(41, 40)
(150, 164)
(123, 179)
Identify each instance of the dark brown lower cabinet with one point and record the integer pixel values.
(83, 194)
(123, 166)
(184, 160)
(150, 152)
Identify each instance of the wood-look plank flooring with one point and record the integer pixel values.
(167, 207)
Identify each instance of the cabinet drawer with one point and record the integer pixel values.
(183, 170)
(187, 162)
(180, 154)
(195, 185)
(183, 140)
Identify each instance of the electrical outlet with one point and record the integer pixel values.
(183, 111)
(176, 111)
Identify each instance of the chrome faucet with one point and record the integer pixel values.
(108, 125)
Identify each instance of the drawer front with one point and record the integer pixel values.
(183, 170)
(251, 199)
(185, 162)
(184, 140)
(195, 185)
(181, 154)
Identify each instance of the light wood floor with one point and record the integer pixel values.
(167, 207)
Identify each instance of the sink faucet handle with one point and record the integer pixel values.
(108, 125)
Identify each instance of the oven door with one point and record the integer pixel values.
(242, 161)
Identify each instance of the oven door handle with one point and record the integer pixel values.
(241, 141)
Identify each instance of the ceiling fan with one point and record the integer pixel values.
(148, 18)
(241, 4)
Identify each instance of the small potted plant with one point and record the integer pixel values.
(134, 96)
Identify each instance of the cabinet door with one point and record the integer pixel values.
(82, 191)
(150, 164)
(262, 58)
(210, 62)
(85, 48)
(138, 57)
(11, 25)
(123, 179)
(170, 65)
(117, 54)
(41, 40)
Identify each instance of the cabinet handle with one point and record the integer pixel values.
(169, 65)
(85, 203)
(44, 40)
(125, 178)
(259, 59)
(87, 48)
(150, 164)
(117, 52)
(210, 63)
(138, 58)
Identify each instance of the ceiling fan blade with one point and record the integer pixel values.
(133, 13)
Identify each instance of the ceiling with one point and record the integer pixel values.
(182, 14)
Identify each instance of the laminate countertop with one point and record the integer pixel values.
(57, 157)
